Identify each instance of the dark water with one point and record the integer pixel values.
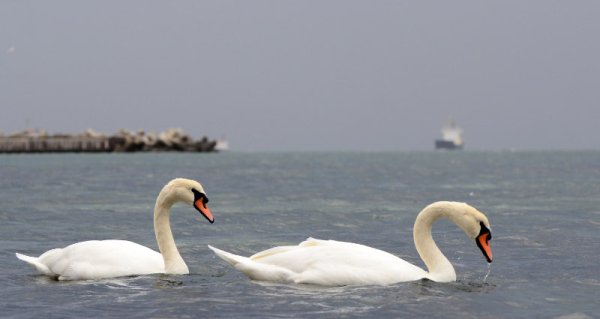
(544, 208)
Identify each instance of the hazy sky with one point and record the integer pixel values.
(307, 75)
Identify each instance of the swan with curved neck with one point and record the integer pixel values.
(96, 259)
(335, 263)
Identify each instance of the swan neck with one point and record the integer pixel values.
(174, 264)
(439, 267)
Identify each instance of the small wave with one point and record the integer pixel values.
(575, 315)
(522, 240)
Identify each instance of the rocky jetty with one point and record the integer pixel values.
(169, 140)
(91, 141)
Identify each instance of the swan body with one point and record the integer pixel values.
(99, 259)
(336, 263)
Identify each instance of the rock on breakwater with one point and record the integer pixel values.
(33, 141)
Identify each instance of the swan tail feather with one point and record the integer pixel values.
(34, 261)
(256, 270)
(228, 257)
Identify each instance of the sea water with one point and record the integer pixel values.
(544, 209)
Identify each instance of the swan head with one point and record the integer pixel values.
(476, 226)
(190, 192)
(473, 222)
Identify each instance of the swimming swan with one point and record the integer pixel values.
(96, 259)
(335, 263)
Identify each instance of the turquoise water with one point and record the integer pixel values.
(544, 208)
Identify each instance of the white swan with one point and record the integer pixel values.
(334, 263)
(116, 258)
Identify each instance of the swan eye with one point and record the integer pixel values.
(198, 195)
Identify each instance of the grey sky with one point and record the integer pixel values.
(307, 75)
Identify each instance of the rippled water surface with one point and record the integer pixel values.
(543, 207)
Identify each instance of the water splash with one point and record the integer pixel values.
(488, 272)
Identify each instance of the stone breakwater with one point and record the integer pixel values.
(91, 141)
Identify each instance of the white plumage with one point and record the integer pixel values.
(98, 259)
(335, 263)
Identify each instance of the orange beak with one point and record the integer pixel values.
(204, 210)
(483, 242)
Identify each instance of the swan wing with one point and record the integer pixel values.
(325, 262)
(97, 259)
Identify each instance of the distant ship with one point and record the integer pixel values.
(451, 137)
